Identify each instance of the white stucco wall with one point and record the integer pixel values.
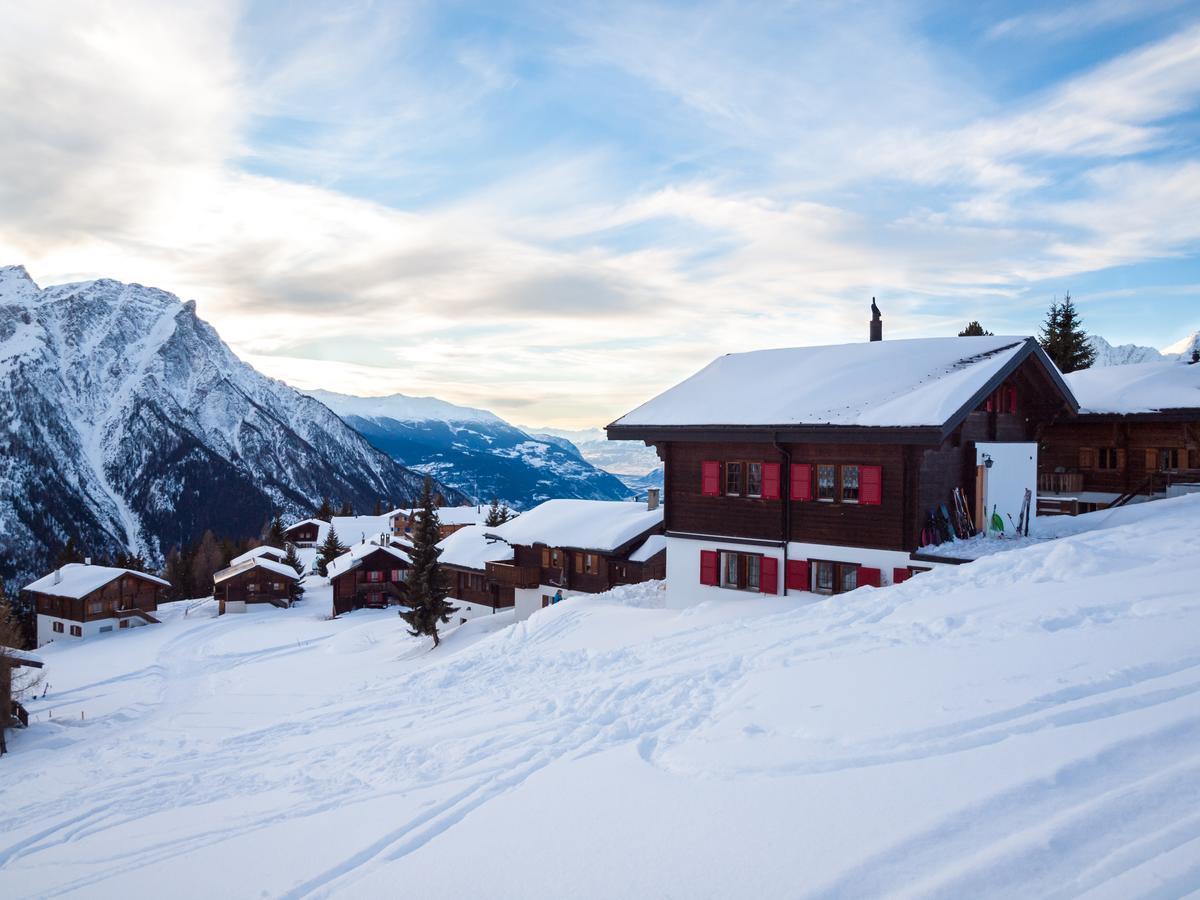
(46, 632)
(529, 600)
(1014, 469)
(468, 610)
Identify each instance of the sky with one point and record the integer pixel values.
(555, 211)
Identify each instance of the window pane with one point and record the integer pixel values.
(752, 563)
(733, 479)
(824, 577)
(729, 569)
(754, 479)
(850, 484)
(849, 577)
(825, 482)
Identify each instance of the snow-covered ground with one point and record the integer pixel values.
(1026, 725)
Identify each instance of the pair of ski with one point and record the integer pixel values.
(962, 511)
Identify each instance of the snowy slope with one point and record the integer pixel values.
(1023, 726)
(622, 458)
(474, 450)
(1147, 387)
(130, 424)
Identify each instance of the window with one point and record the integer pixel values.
(58, 627)
(124, 623)
(374, 577)
(754, 479)
(849, 577)
(733, 479)
(1168, 458)
(826, 483)
(589, 563)
(834, 577)
(96, 606)
(395, 574)
(252, 587)
(1106, 458)
(849, 484)
(556, 559)
(731, 570)
(741, 571)
(753, 564)
(825, 576)
(105, 628)
(76, 631)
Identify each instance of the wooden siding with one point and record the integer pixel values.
(474, 586)
(126, 592)
(1062, 443)
(270, 587)
(352, 589)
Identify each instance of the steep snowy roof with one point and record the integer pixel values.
(905, 383)
(351, 528)
(1142, 388)
(78, 580)
(455, 515)
(258, 562)
(471, 548)
(256, 552)
(602, 525)
(651, 547)
(355, 555)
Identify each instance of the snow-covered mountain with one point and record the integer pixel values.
(474, 450)
(1182, 349)
(619, 457)
(131, 425)
(1121, 354)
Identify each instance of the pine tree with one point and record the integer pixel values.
(179, 572)
(347, 509)
(275, 536)
(293, 559)
(68, 554)
(1196, 355)
(426, 584)
(207, 561)
(974, 329)
(330, 550)
(379, 507)
(495, 516)
(1064, 339)
(325, 512)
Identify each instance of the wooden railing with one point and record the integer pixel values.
(1060, 482)
(509, 575)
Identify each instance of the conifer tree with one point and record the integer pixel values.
(330, 550)
(324, 511)
(426, 584)
(293, 559)
(1064, 339)
(68, 554)
(495, 515)
(347, 509)
(379, 507)
(207, 561)
(1196, 355)
(974, 329)
(275, 536)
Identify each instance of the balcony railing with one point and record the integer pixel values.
(509, 575)
(1060, 482)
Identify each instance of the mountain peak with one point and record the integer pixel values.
(15, 281)
(403, 408)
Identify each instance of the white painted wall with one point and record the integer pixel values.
(527, 601)
(1014, 468)
(467, 610)
(46, 632)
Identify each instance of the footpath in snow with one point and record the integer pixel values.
(1026, 725)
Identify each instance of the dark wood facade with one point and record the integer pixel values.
(377, 580)
(474, 586)
(257, 584)
(128, 595)
(579, 569)
(302, 533)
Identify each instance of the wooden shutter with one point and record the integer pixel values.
(801, 478)
(1012, 399)
(1152, 460)
(770, 481)
(709, 562)
(868, 576)
(870, 485)
(579, 562)
(769, 575)
(710, 478)
(1087, 458)
(899, 576)
(797, 575)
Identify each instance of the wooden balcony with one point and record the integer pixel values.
(1060, 482)
(509, 575)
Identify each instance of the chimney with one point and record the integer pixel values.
(876, 322)
(87, 560)
(57, 575)
(652, 499)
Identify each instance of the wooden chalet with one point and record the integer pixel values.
(258, 579)
(12, 713)
(1137, 437)
(817, 468)
(576, 547)
(80, 600)
(464, 557)
(306, 533)
(369, 575)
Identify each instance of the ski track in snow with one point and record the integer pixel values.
(440, 737)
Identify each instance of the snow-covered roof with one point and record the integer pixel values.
(602, 525)
(651, 547)
(256, 552)
(1141, 388)
(17, 657)
(471, 548)
(351, 528)
(352, 557)
(79, 579)
(904, 383)
(455, 515)
(258, 562)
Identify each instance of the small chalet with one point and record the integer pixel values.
(817, 468)
(1137, 437)
(450, 519)
(350, 529)
(369, 575)
(464, 559)
(264, 551)
(81, 600)
(576, 546)
(259, 579)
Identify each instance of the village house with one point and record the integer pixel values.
(1137, 437)
(80, 600)
(576, 547)
(256, 579)
(450, 519)
(817, 468)
(350, 529)
(369, 575)
(255, 552)
(464, 557)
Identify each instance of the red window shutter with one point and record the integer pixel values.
(395, 574)
(709, 561)
(868, 576)
(769, 575)
(710, 478)
(801, 481)
(899, 576)
(870, 485)
(797, 575)
(770, 481)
